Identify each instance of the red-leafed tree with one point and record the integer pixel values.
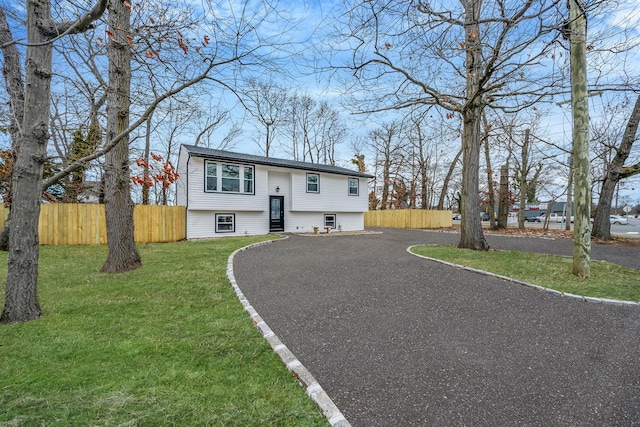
(157, 173)
(238, 46)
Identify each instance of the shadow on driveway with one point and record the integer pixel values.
(398, 340)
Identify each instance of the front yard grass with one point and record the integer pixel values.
(607, 280)
(168, 344)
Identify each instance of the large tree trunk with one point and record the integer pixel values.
(123, 255)
(471, 236)
(12, 73)
(21, 303)
(601, 224)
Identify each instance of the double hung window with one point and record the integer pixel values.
(330, 220)
(313, 183)
(225, 223)
(354, 186)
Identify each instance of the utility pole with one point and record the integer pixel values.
(580, 107)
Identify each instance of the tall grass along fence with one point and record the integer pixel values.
(408, 218)
(84, 224)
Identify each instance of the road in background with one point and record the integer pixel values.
(631, 229)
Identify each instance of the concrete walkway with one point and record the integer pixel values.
(396, 340)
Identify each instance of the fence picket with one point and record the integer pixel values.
(408, 218)
(84, 224)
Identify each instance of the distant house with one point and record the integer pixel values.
(228, 193)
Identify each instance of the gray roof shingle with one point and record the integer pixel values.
(211, 153)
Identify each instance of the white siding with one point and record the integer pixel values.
(303, 222)
(279, 178)
(181, 183)
(198, 199)
(201, 224)
(333, 195)
(303, 210)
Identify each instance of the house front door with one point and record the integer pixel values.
(276, 213)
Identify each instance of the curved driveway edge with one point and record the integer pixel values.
(302, 374)
(531, 285)
(398, 341)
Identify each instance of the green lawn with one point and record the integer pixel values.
(607, 280)
(168, 344)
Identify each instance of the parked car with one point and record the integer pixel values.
(484, 216)
(456, 216)
(617, 219)
(553, 217)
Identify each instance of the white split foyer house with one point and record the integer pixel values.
(234, 194)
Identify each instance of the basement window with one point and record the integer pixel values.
(225, 223)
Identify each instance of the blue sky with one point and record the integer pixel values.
(309, 26)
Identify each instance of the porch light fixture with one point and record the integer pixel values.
(278, 189)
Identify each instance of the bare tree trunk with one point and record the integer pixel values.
(21, 300)
(471, 236)
(12, 73)
(503, 204)
(568, 208)
(547, 215)
(145, 171)
(123, 255)
(447, 179)
(4, 234)
(580, 104)
(601, 223)
(487, 158)
(523, 179)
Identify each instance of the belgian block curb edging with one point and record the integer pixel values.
(299, 371)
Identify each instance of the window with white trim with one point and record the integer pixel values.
(354, 186)
(330, 220)
(313, 183)
(228, 178)
(225, 223)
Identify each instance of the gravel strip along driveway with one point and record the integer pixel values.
(396, 340)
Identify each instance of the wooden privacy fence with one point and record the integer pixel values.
(408, 218)
(84, 224)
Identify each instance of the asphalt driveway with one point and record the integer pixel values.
(396, 340)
